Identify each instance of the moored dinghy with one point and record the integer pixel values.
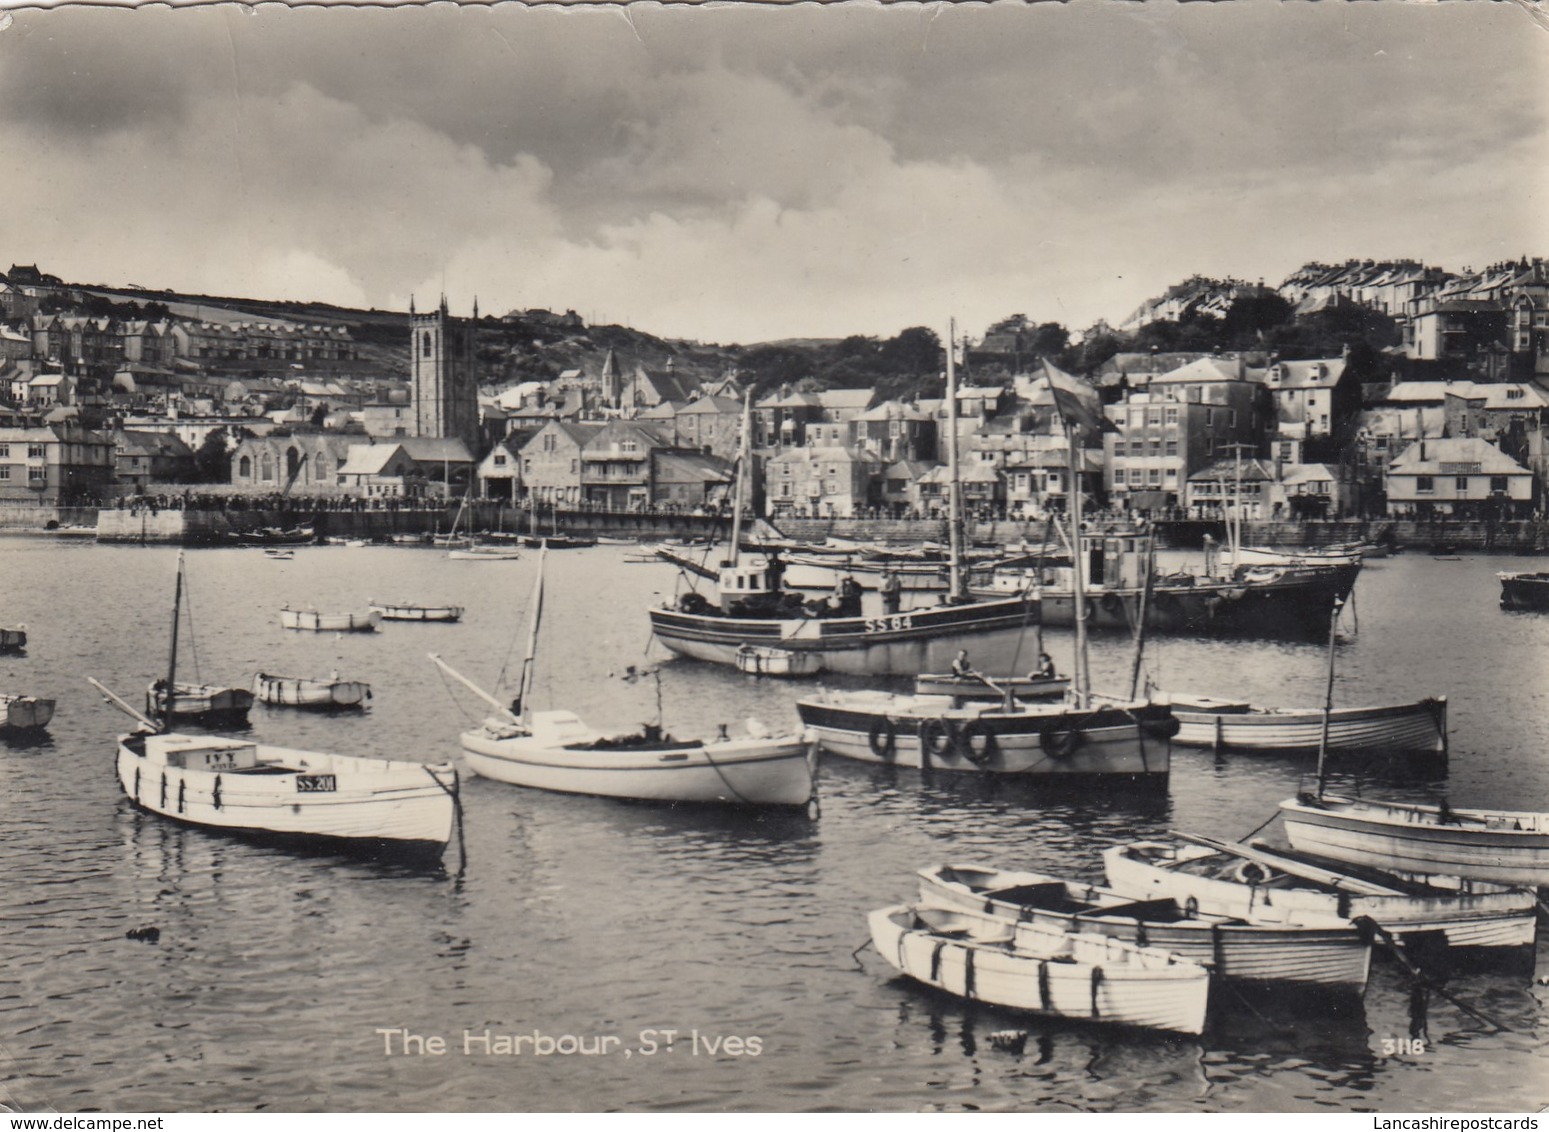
(1501, 846)
(24, 713)
(311, 619)
(210, 704)
(310, 692)
(1253, 882)
(1307, 951)
(1417, 729)
(405, 611)
(1085, 978)
(13, 640)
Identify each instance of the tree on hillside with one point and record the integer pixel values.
(1050, 340)
(769, 367)
(913, 352)
(1252, 316)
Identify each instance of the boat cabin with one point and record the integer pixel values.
(201, 752)
(752, 575)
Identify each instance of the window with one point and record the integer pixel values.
(425, 349)
(1425, 485)
(5, 471)
(630, 447)
(245, 468)
(36, 451)
(1156, 447)
(1209, 417)
(1171, 448)
(1231, 418)
(5, 451)
(1498, 484)
(548, 443)
(1172, 414)
(1460, 483)
(574, 466)
(527, 466)
(500, 459)
(1137, 475)
(1155, 476)
(37, 474)
(785, 491)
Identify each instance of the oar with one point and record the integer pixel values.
(1287, 865)
(1391, 945)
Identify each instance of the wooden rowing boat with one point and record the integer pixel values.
(977, 687)
(1265, 885)
(762, 660)
(1235, 725)
(214, 705)
(13, 640)
(1308, 951)
(24, 713)
(1524, 590)
(408, 612)
(1085, 978)
(312, 620)
(1501, 846)
(310, 692)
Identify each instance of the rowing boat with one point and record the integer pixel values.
(330, 622)
(310, 692)
(1085, 978)
(1416, 728)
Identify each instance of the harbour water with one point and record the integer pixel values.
(284, 981)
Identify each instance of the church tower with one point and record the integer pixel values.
(441, 369)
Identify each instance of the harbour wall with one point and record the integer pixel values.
(205, 526)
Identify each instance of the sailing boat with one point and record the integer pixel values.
(755, 616)
(470, 549)
(172, 701)
(1084, 737)
(556, 750)
(1411, 839)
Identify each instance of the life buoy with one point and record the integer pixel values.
(982, 754)
(1112, 604)
(938, 737)
(883, 738)
(1060, 740)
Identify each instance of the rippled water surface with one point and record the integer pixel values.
(592, 918)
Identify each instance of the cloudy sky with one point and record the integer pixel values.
(744, 173)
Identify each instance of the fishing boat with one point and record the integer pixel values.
(408, 612)
(1030, 967)
(330, 622)
(377, 806)
(752, 608)
(1120, 739)
(1304, 951)
(1525, 590)
(761, 660)
(170, 700)
(1253, 882)
(556, 750)
(1234, 725)
(24, 713)
(1415, 839)
(13, 640)
(328, 692)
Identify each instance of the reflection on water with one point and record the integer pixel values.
(272, 970)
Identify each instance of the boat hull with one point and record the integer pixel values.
(1498, 846)
(13, 640)
(756, 772)
(294, 691)
(1418, 728)
(313, 621)
(1326, 954)
(1466, 919)
(901, 644)
(201, 703)
(418, 612)
(1053, 741)
(25, 713)
(304, 798)
(1099, 986)
(1524, 591)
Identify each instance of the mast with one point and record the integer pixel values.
(1148, 559)
(954, 487)
(177, 605)
(1081, 677)
(1328, 697)
(744, 452)
(525, 684)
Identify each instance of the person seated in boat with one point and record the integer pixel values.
(960, 665)
(1045, 669)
